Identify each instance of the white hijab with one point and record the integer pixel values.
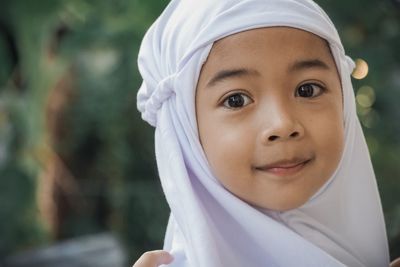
(341, 225)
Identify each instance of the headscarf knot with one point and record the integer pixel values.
(164, 89)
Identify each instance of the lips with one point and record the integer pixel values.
(285, 167)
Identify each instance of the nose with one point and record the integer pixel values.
(281, 124)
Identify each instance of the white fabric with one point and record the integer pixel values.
(341, 225)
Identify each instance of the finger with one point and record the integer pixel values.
(154, 258)
(395, 263)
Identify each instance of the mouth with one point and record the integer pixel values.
(284, 167)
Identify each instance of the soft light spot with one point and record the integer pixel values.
(100, 61)
(361, 70)
(361, 111)
(365, 96)
(371, 119)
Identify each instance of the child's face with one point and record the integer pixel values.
(269, 112)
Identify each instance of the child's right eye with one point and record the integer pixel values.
(237, 100)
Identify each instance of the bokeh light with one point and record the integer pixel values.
(361, 70)
(365, 96)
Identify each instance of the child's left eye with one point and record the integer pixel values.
(309, 90)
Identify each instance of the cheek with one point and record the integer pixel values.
(228, 149)
(329, 138)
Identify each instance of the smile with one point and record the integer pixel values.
(284, 168)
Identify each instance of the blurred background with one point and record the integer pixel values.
(78, 180)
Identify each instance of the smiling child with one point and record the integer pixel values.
(260, 152)
(262, 117)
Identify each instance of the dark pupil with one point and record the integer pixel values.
(236, 101)
(306, 90)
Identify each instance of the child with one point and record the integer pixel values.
(260, 153)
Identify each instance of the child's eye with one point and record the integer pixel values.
(237, 100)
(309, 90)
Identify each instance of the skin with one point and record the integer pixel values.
(153, 259)
(273, 134)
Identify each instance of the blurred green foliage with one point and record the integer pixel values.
(103, 142)
(89, 49)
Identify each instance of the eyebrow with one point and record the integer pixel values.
(233, 73)
(308, 64)
(296, 66)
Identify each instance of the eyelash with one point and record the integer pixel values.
(247, 100)
(313, 85)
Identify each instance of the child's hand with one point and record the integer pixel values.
(395, 263)
(154, 258)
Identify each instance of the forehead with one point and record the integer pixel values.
(272, 43)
